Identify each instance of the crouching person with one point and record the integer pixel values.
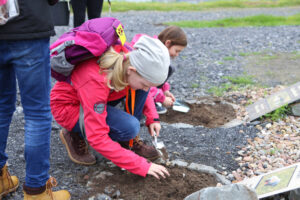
(97, 90)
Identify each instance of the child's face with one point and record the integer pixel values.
(136, 81)
(174, 50)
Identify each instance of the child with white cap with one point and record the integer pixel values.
(96, 90)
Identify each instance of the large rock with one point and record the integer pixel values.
(227, 192)
(295, 108)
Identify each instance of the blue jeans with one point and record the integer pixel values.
(27, 61)
(123, 126)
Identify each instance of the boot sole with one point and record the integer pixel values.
(9, 191)
(62, 138)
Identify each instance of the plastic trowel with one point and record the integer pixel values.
(160, 147)
(180, 106)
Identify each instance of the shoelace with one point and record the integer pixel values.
(50, 183)
(137, 142)
(82, 147)
(8, 177)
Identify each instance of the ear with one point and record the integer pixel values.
(130, 69)
(168, 43)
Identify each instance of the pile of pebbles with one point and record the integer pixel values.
(276, 143)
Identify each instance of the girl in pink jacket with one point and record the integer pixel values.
(96, 90)
(175, 40)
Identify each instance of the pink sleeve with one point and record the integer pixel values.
(166, 87)
(64, 105)
(160, 97)
(93, 97)
(2, 2)
(149, 110)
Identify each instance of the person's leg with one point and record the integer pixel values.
(7, 97)
(123, 126)
(79, 9)
(94, 8)
(8, 183)
(33, 75)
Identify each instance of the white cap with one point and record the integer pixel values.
(151, 59)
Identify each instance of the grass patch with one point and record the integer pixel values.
(258, 20)
(269, 57)
(296, 55)
(194, 85)
(228, 58)
(234, 84)
(243, 54)
(277, 114)
(122, 6)
(240, 80)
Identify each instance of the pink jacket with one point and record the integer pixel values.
(2, 2)
(158, 93)
(89, 88)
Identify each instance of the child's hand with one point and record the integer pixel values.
(158, 171)
(169, 94)
(154, 127)
(168, 102)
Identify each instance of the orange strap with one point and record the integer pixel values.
(132, 92)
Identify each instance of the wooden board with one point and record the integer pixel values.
(274, 101)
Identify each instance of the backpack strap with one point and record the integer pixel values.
(132, 93)
(59, 48)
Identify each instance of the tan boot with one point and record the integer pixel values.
(45, 192)
(7, 183)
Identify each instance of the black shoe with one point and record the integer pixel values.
(160, 109)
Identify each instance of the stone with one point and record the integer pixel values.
(103, 175)
(102, 197)
(295, 108)
(116, 194)
(232, 192)
(179, 163)
(202, 168)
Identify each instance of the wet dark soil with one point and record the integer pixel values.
(178, 185)
(210, 112)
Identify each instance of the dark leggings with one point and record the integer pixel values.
(94, 8)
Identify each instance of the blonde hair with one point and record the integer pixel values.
(115, 66)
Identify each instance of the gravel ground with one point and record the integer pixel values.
(199, 62)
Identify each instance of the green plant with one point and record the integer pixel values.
(279, 113)
(258, 20)
(269, 57)
(296, 55)
(195, 85)
(217, 91)
(249, 102)
(220, 63)
(234, 84)
(122, 6)
(240, 80)
(243, 54)
(228, 58)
